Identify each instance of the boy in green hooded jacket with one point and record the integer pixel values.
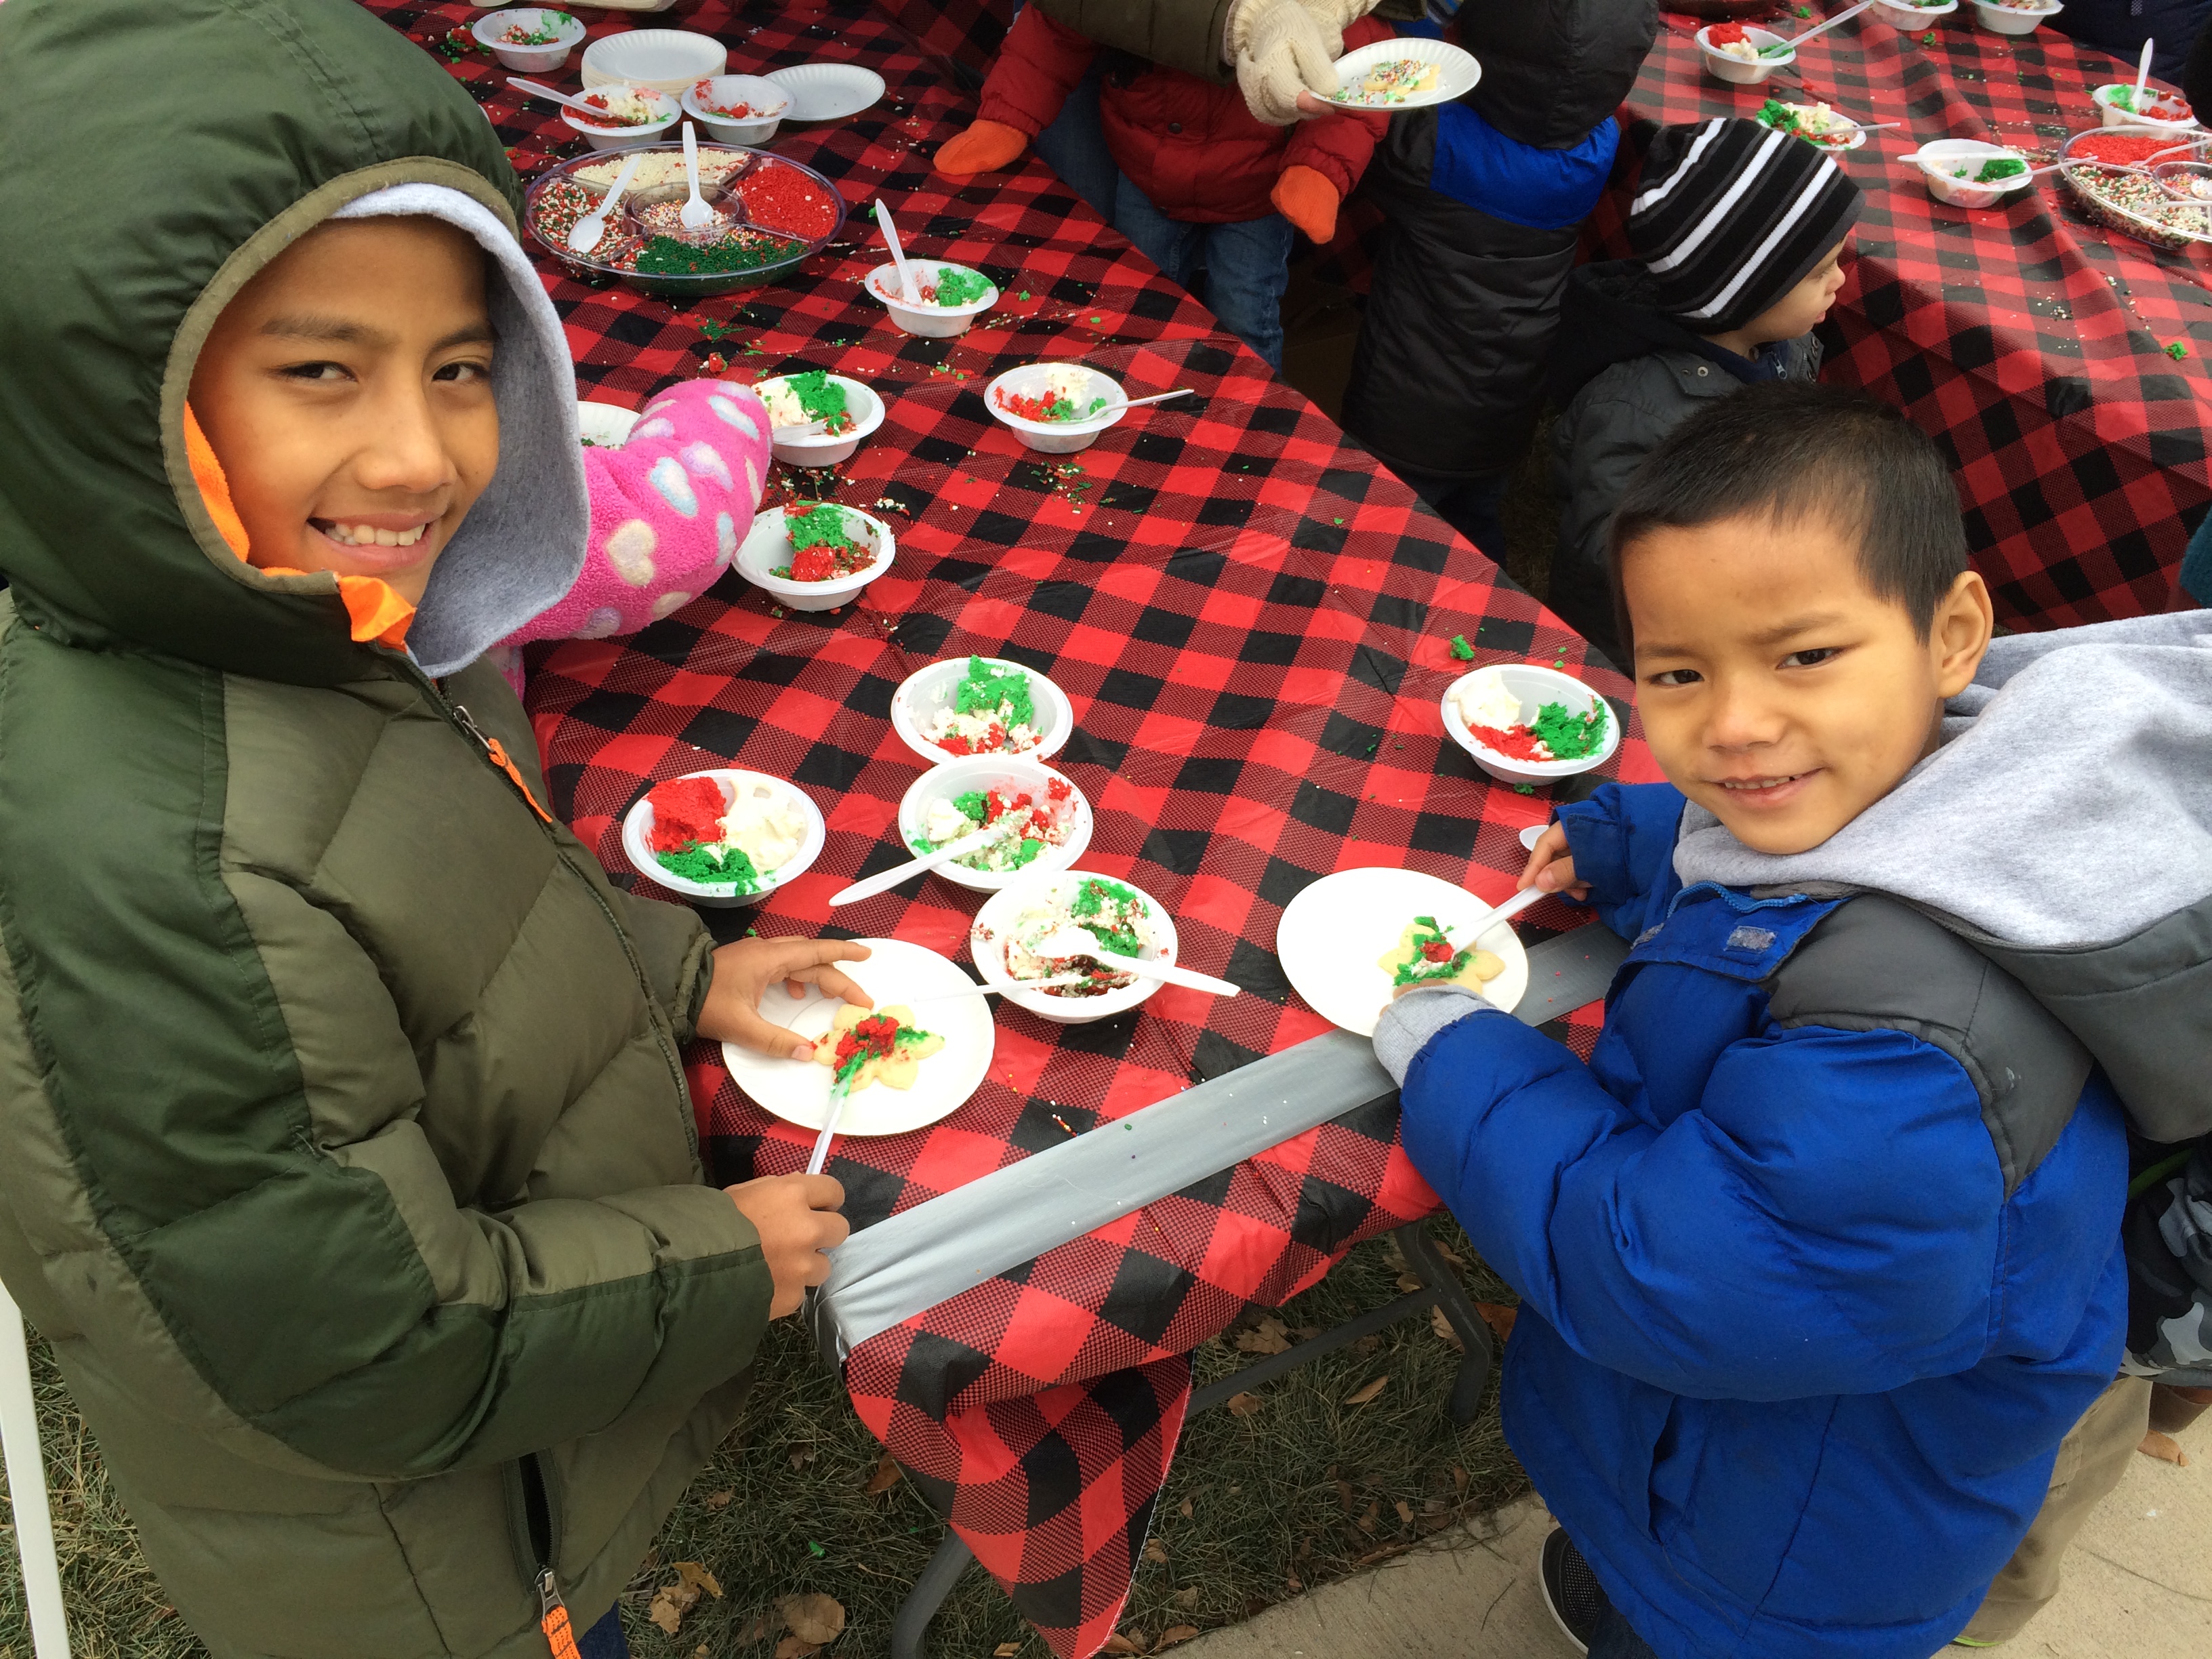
(346, 1159)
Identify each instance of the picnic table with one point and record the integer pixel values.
(1254, 623)
(2062, 366)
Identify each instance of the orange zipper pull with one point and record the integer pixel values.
(553, 1616)
(497, 751)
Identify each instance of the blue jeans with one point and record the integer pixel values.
(1615, 1640)
(1074, 147)
(1248, 265)
(605, 1640)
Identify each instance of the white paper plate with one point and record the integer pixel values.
(1458, 73)
(798, 1091)
(1333, 933)
(606, 426)
(667, 60)
(827, 91)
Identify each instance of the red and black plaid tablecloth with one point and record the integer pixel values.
(1254, 624)
(2031, 344)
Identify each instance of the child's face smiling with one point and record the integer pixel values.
(1778, 690)
(347, 391)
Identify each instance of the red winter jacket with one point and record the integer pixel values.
(1193, 148)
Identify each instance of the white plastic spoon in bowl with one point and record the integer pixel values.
(884, 881)
(696, 215)
(560, 98)
(1075, 941)
(584, 235)
(1156, 397)
(1797, 40)
(907, 292)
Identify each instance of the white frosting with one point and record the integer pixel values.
(1484, 700)
(784, 408)
(764, 823)
(945, 821)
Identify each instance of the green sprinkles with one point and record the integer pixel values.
(988, 689)
(1568, 735)
(1090, 898)
(1461, 648)
(699, 863)
(663, 256)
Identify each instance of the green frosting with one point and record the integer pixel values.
(975, 805)
(960, 288)
(984, 689)
(821, 525)
(821, 396)
(1420, 968)
(699, 863)
(1568, 735)
(1090, 898)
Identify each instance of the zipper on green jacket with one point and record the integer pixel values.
(460, 719)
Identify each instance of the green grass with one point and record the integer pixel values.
(1277, 1500)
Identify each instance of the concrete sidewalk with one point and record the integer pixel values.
(2138, 1586)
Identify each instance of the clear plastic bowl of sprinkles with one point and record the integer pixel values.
(778, 213)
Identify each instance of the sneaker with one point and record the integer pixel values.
(1571, 1589)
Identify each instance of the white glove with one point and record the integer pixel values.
(1283, 48)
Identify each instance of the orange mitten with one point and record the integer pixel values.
(984, 148)
(1307, 200)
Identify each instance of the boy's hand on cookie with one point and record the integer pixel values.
(796, 1216)
(1305, 197)
(744, 970)
(984, 148)
(1552, 867)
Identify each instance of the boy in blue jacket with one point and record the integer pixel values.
(1819, 1254)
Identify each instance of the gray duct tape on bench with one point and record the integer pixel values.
(911, 1261)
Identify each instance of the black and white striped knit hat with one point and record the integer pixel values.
(1731, 215)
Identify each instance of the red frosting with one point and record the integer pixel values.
(686, 811)
(1516, 742)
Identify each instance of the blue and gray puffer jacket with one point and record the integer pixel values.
(1818, 1253)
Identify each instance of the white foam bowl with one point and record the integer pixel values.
(623, 137)
(1723, 67)
(1535, 687)
(530, 60)
(824, 448)
(1857, 138)
(2011, 20)
(987, 944)
(984, 772)
(637, 841)
(755, 91)
(1908, 19)
(1055, 437)
(923, 692)
(827, 92)
(604, 426)
(928, 322)
(667, 60)
(1937, 158)
(768, 544)
(2114, 116)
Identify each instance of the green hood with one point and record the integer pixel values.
(164, 152)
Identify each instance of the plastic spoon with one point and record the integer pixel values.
(2142, 79)
(1074, 941)
(1156, 397)
(584, 235)
(696, 215)
(1796, 41)
(838, 1095)
(906, 290)
(560, 98)
(1505, 912)
(898, 872)
(1001, 990)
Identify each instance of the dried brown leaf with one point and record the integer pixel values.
(1344, 1495)
(1156, 1550)
(1269, 1336)
(1374, 1514)
(802, 1456)
(792, 1647)
(1005, 1650)
(886, 1477)
(1460, 1478)
(718, 1501)
(670, 1603)
(1305, 1333)
(813, 1617)
(1294, 1583)
(1119, 1643)
(1173, 1634)
(1361, 1395)
(1185, 1597)
(699, 1652)
(2164, 1447)
(1304, 1552)
(695, 1578)
(1242, 1405)
(1449, 1255)
(1367, 1345)
(1442, 1328)
(1405, 1512)
(1499, 1319)
(1408, 1282)
(1183, 1509)
(755, 1629)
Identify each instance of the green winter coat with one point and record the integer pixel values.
(345, 1157)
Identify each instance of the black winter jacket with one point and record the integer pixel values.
(1626, 378)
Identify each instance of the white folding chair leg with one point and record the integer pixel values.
(26, 1488)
